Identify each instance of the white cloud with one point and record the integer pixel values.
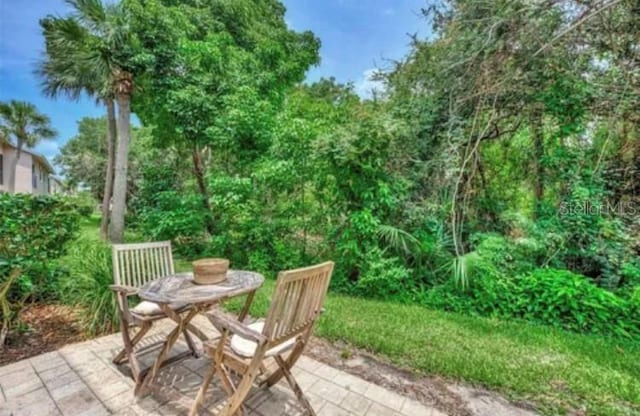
(367, 85)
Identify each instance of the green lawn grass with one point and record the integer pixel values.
(557, 370)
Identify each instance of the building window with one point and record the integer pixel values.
(1, 169)
(34, 176)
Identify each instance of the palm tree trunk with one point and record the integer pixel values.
(120, 175)
(108, 184)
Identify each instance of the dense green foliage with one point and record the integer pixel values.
(546, 296)
(493, 175)
(34, 231)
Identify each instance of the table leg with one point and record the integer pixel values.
(173, 336)
(247, 305)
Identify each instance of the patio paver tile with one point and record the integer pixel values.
(377, 409)
(40, 408)
(54, 381)
(17, 377)
(356, 404)
(306, 379)
(351, 383)
(119, 402)
(80, 402)
(329, 391)
(33, 403)
(79, 380)
(47, 361)
(24, 386)
(308, 364)
(20, 366)
(331, 409)
(51, 373)
(108, 390)
(326, 372)
(68, 389)
(384, 397)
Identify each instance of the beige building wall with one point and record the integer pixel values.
(32, 177)
(55, 187)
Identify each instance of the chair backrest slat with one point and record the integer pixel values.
(297, 301)
(137, 264)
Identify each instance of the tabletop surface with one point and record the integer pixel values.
(180, 287)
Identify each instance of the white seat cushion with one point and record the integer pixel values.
(247, 348)
(150, 308)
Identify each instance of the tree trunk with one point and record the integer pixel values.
(108, 183)
(121, 163)
(198, 170)
(537, 135)
(13, 170)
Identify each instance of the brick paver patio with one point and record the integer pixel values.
(80, 379)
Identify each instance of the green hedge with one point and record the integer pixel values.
(546, 296)
(34, 230)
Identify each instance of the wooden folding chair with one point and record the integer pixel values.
(296, 305)
(133, 266)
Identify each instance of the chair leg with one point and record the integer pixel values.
(129, 344)
(293, 357)
(123, 355)
(235, 402)
(294, 385)
(201, 392)
(230, 388)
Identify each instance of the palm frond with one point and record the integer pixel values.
(91, 13)
(23, 120)
(399, 239)
(462, 269)
(73, 62)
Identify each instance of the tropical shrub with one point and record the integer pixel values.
(478, 287)
(511, 256)
(89, 272)
(596, 242)
(568, 300)
(383, 277)
(486, 296)
(255, 222)
(552, 297)
(34, 230)
(176, 217)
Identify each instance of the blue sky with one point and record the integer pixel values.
(357, 36)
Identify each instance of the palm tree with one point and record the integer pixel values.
(65, 69)
(83, 54)
(28, 127)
